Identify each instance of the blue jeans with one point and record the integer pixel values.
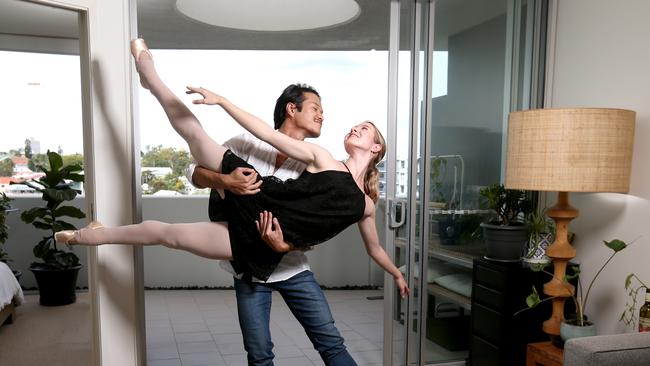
(306, 301)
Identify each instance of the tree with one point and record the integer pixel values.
(6, 168)
(147, 177)
(16, 152)
(73, 159)
(159, 156)
(170, 182)
(28, 148)
(39, 160)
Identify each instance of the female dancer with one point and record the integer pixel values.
(328, 197)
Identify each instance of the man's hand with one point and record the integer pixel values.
(271, 233)
(242, 181)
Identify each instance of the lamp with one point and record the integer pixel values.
(568, 150)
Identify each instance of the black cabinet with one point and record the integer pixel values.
(499, 290)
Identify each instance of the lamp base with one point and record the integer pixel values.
(560, 252)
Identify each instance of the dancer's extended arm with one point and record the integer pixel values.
(368, 230)
(304, 151)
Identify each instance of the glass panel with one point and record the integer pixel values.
(400, 144)
(467, 101)
(347, 64)
(42, 111)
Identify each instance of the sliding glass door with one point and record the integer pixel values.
(457, 68)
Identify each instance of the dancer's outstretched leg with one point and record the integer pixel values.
(207, 152)
(205, 239)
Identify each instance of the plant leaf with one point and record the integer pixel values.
(37, 187)
(42, 225)
(33, 213)
(72, 168)
(59, 195)
(628, 280)
(537, 267)
(75, 177)
(62, 225)
(533, 299)
(615, 245)
(41, 249)
(56, 162)
(70, 211)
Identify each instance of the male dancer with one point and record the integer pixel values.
(298, 113)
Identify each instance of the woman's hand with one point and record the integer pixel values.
(271, 233)
(402, 286)
(209, 97)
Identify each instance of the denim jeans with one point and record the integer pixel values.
(306, 301)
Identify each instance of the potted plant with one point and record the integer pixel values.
(505, 236)
(5, 209)
(438, 172)
(541, 232)
(577, 326)
(56, 273)
(4, 229)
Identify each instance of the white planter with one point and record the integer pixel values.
(536, 248)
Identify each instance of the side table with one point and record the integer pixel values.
(545, 354)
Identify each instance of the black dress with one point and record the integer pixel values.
(311, 209)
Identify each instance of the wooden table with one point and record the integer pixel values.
(544, 353)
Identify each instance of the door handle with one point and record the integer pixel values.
(396, 208)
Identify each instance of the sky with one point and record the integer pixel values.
(41, 93)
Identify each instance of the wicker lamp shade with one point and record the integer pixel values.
(570, 150)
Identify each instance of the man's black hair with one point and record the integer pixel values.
(294, 93)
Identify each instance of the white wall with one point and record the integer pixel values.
(340, 262)
(602, 59)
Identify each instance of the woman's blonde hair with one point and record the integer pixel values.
(371, 180)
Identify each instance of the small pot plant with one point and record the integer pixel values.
(541, 231)
(579, 296)
(56, 273)
(438, 172)
(505, 236)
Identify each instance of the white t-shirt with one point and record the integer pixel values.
(262, 157)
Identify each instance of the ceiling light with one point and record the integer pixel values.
(270, 15)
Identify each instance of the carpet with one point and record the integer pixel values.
(42, 335)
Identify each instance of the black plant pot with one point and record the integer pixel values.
(504, 243)
(56, 286)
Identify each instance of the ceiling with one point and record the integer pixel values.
(26, 26)
(165, 27)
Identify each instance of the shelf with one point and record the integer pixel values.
(459, 254)
(462, 300)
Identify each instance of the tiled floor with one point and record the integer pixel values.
(200, 327)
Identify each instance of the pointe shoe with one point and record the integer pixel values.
(138, 47)
(65, 237)
(69, 236)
